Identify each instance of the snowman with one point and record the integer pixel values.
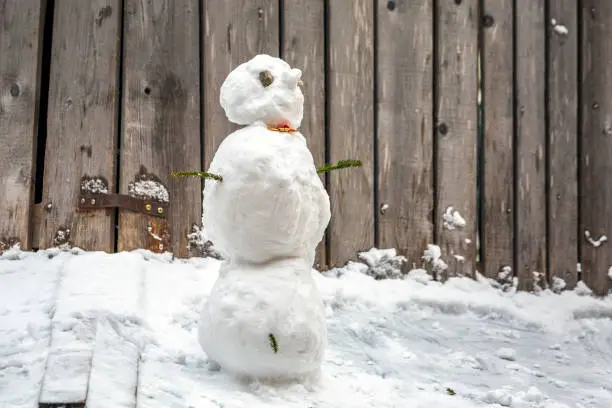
(264, 318)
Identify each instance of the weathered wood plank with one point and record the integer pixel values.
(596, 159)
(498, 114)
(161, 123)
(90, 289)
(25, 325)
(351, 126)
(114, 366)
(456, 133)
(234, 32)
(21, 23)
(67, 370)
(61, 405)
(157, 374)
(304, 47)
(562, 142)
(530, 111)
(404, 134)
(81, 124)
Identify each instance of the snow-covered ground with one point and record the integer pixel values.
(393, 343)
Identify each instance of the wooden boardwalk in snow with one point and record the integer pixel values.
(81, 326)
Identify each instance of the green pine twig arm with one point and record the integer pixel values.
(203, 174)
(273, 342)
(342, 164)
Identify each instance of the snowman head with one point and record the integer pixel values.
(264, 89)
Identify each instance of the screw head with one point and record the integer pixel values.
(160, 210)
(82, 201)
(148, 207)
(93, 201)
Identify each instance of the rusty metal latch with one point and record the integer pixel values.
(96, 201)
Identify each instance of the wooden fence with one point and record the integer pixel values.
(116, 94)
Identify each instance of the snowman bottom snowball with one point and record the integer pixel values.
(265, 322)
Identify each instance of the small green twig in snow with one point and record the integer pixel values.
(273, 342)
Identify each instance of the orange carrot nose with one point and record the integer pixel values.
(282, 127)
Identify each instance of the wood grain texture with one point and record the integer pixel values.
(498, 163)
(562, 142)
(234, 32)
(81, 124)
(304, 48)
(404, 134)
(456, 132)
(596, 158)
(531, 142)
(20, 50)
(351, 126)
(161, 123)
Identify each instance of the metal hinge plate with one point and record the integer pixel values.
(90, 201)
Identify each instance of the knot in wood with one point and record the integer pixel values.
(14, 90)
(488, 20)
(443, 128)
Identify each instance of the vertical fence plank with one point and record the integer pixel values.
(81, 125)
(235, 31)
(562, 143)
(20, 50)
(161, 124)
(498, 164)
(531, 141)
(404, 134)
(304, 47)
(456, 133)
(596, 160)
(351, 127)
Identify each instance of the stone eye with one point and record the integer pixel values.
(266, 78)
